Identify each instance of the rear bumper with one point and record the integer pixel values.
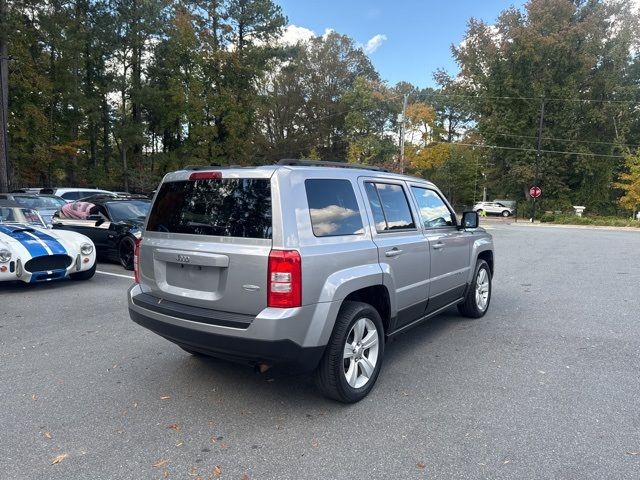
(294, 338)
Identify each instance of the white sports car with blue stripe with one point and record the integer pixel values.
(31, 253)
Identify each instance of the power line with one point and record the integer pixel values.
(588, 154)
(481, 97)
(568, 140)
(514, 97)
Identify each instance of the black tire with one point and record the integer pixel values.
(506, 213)
(330, 374)
(125, 252)
(469, 307)
(84, 275)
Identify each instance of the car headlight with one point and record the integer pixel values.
(5, 255)
(86, 249)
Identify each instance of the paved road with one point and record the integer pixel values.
(546, 385)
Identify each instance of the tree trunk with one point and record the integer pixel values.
(136, 75)
(106, 146)
(4, 93)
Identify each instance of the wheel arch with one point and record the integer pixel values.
(378, 297)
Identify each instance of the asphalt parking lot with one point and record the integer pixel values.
(546, 385)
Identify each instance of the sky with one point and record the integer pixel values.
(405, 39)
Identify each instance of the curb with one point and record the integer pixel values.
(561, 225)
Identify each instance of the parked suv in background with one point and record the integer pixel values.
(493, 208)
(302, 263)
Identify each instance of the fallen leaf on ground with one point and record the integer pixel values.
(421, 465)
(193, 472)
(217, 471)
(47, 435)
(315, 444)
(165, 473)
(165, 398)
(174, 426)
(224, 446)
(34, 397)
(245, 477)
(59, 458)
(633, 453)
(214, 439)
(161, 463)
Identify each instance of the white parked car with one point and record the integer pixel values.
(72, 194)
(30, 252)
(493, 208)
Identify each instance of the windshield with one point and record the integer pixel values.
(44, 203)
(20, 216)
(129, 210)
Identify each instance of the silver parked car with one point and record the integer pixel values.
(306, 264)
(493, 208)
(46, 205)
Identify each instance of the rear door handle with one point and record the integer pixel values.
(438, 246)
(394, 252)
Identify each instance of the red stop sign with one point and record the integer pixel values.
(535, 192)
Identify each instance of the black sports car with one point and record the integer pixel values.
(114, 224)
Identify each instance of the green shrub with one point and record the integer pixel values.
(590, 220)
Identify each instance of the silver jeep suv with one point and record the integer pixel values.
(304, 263)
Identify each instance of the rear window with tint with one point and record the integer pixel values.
(230, 207)
(333, 208)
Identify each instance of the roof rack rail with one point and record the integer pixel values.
(209, 167)
(322, 163)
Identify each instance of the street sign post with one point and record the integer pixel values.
(535, 192)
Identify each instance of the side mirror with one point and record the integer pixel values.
(99, 222)
(470, 220)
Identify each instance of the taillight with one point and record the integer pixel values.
(136, 261)
(205, 176)
(284, 281)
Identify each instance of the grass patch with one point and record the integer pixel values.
(590, 220)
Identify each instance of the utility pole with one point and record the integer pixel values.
(4, 94)
(404, 115)
(536, 174)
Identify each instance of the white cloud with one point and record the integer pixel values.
(327, 32)
(374, 43)
(294, 34)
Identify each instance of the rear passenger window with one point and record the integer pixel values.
(333, 208)
(389, 200)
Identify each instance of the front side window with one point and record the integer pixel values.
(433, 211)
(389, 200)
(128, 210)
(333, 208)
(71, 195)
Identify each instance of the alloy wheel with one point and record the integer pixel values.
(360, 353)
(482, 289)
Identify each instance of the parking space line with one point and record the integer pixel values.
(115, 274)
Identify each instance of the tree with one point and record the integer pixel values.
(304, 97)
(629, 183)
(566, 52)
